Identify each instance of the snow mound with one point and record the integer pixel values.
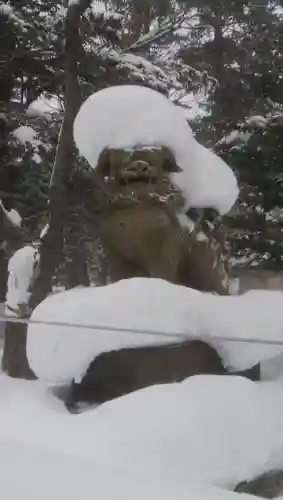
(6, 9)
(21, 269)
(42, 474)
(207, 182)
(99, 9)
(203, 433)
(61, 353)
(12, 215)
(43, 106)
(25, 134)
(129, 116)
(257, 121)
(15, 217)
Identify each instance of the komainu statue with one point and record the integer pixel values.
(144, 232)
(153, 170)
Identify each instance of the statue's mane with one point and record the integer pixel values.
(118, 200)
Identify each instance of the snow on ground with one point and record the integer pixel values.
(106, 119)
(196, 439)
(271, 369)
(61, 353)
(168, 441)
(45, 475)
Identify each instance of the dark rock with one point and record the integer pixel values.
(268, 485)
(116, 373)
(251, 373)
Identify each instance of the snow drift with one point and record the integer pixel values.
(61, 353)
(203, 433)
(132, 116)
(45, 475)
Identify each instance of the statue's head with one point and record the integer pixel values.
(139, 172)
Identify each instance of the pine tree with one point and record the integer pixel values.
(32, 62)
(243, 51)
(255, 151)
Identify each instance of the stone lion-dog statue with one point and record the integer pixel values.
(143, 230)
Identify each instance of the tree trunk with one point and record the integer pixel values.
(76, 272)
(76, 268)
(14, 361)
(3, 275)
(51, 248)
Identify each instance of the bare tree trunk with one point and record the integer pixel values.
(3, 274)
(53, 242)
(76, 267)
(14, 361)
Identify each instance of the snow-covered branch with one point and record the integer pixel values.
(10, 227)
(154, 35)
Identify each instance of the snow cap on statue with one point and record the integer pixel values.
(131, 117)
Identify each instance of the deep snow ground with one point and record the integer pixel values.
(33, 474)
(200, 438)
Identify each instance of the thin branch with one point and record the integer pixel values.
(164, 29)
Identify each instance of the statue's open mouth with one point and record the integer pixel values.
(138, 172)
(138, 179)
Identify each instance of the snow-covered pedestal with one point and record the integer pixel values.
(139, 308)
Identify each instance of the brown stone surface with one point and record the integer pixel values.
(116, 373)
(140, 230)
